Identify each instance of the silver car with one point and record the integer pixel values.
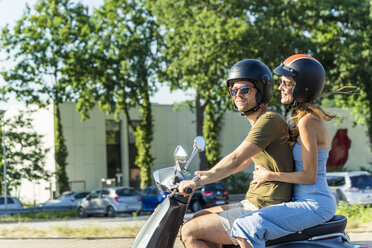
(67, 199)
(110, 201)
(12, 202)
(353, 187)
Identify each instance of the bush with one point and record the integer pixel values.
(356, 214)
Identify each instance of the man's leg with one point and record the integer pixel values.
(205, 231)
(215, 209)
(211, 227)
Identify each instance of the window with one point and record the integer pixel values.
(81, 195)
(113, 149)
(362, 181)
(212, 187)
(105, 193)
(126, 192)
(154, 191)
(9, 200)
(135, 173)
(94, 194)
(335, 181)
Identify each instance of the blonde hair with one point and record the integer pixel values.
(300, 111)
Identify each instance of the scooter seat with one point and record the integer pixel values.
(335, 225)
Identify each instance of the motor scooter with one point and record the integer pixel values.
(162, 227)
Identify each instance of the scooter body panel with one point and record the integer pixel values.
(161, 229)
(337, 242)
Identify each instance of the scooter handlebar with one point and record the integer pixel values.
(188, 190)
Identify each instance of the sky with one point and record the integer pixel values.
(12, 10)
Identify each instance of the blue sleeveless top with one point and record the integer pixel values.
(312, 205)
(319, 193)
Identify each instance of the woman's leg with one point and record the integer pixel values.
(243, 243)
(273, 222)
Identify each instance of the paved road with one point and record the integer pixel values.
(359, 238)
(68, 243)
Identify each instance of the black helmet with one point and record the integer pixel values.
(308, 74)
(259, 74)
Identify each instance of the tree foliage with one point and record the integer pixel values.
(201, 38)
(122, 61)
(44, 52)
(344, 43)
(205, 38)
(60, 152)
(25, 154)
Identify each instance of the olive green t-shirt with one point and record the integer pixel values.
(270, 133)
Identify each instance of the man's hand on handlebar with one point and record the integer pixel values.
(182, 187)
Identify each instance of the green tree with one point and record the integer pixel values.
(201, 38)
(122, 61)
(344, 42)
(44, 50)
(205, 38)
(25, 155)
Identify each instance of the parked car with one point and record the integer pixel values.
(209, 195)
(67, 199)
(352, 187)
(110, 201)
(152, 197)
(12, 202)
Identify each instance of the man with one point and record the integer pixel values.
(250, 85)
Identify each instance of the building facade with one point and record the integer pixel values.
(101, 151)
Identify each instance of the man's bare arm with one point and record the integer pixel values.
(235, 162)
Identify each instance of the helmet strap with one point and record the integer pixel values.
(291, 105)
(255, 109)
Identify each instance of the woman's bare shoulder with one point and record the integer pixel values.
(313, 126)
(309, 121)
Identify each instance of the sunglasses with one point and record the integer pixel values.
(287, 84)
(243, 90)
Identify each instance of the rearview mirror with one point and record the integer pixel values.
(200, 143)
(199, 146)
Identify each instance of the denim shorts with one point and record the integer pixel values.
(280, 220)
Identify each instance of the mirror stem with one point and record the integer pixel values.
(191, 157)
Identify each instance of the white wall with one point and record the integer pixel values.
(86, 146)
(360, 152)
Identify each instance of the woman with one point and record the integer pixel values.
(302, 80)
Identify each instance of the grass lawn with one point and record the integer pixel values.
(40, 216)
(58, 231)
